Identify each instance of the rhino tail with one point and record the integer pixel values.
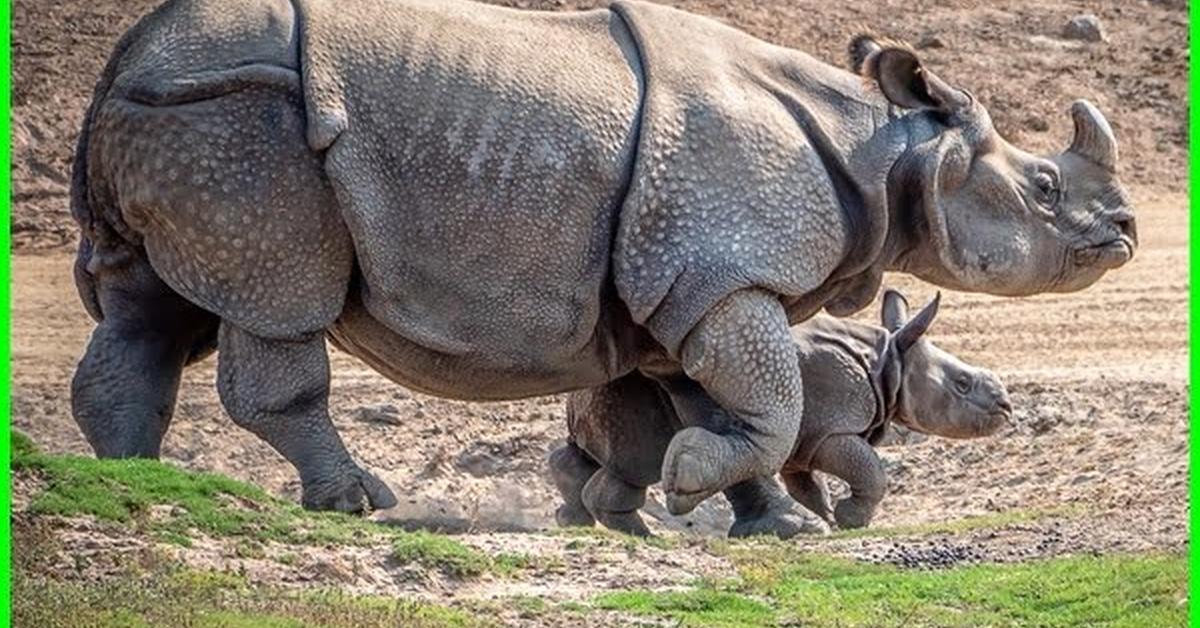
(83, 199)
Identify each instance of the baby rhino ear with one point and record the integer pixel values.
(911, 332)
(895, 310)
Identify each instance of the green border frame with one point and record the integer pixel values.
(5, 297)
(1193, 307)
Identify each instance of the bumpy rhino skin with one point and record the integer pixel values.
(858, 379)
(486, 203)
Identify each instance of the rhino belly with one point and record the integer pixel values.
(611, 352)
(481, 159)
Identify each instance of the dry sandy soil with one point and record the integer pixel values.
(1099, 378)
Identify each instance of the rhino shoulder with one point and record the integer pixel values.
(730, 189)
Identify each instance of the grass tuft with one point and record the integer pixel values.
(438, 552)
(173, 505)
(781, 587)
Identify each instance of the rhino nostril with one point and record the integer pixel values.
(1004, 405)
(1127, 228)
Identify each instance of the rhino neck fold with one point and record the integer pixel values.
(861, 140)
(910, 234)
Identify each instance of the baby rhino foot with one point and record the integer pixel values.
(352, 491)
(784, 520)
(850, 514)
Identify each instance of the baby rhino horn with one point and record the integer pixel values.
(917, 326)
(1094, 139)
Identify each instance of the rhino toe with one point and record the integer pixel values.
(355, 492)
(783, 523)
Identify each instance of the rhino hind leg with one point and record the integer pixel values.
(571, 468)
(615, 503)
(279, 390)
(124, 388)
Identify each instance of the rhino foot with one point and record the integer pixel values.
(573, 516)
(627, 522)
(691, 473)
(785, 522)
(851, 514)
(355, 491)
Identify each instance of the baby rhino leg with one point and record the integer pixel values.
(615, 503)
(571, 468)
(852, 459)
(811, 492)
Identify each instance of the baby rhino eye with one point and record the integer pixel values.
(1047, 189)
(962, 384)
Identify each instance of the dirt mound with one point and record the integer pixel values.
(1010, 53)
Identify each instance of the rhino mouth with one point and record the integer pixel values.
(1107, 255)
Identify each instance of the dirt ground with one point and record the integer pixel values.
(1099, 378)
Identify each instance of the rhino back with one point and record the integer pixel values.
(478, 155)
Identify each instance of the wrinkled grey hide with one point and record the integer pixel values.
(858, 379)
(485, 203)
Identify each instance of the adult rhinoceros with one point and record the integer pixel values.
(484, 203)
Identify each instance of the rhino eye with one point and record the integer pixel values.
(962, 384)
(1047, 189)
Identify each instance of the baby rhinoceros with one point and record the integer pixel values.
(859, 378)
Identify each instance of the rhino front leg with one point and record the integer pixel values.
(854, 460)
(279, 389)
(742, 353)
(759, 505)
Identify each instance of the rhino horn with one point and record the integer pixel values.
(1094, 138)
(914, 328)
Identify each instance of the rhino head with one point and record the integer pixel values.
(984, 215)
(933, 391)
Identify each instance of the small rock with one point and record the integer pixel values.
(381, 413)
(1037, 123)
(930, 41)
(1086, 27)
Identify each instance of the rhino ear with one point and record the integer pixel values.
(895, 310)
(904, 80)
(912, 330)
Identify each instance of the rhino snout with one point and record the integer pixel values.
(999, 411)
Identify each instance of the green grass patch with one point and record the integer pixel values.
(1147, 590)
(172, 505)
(179, 597)
(697, 607)
(439, 552)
